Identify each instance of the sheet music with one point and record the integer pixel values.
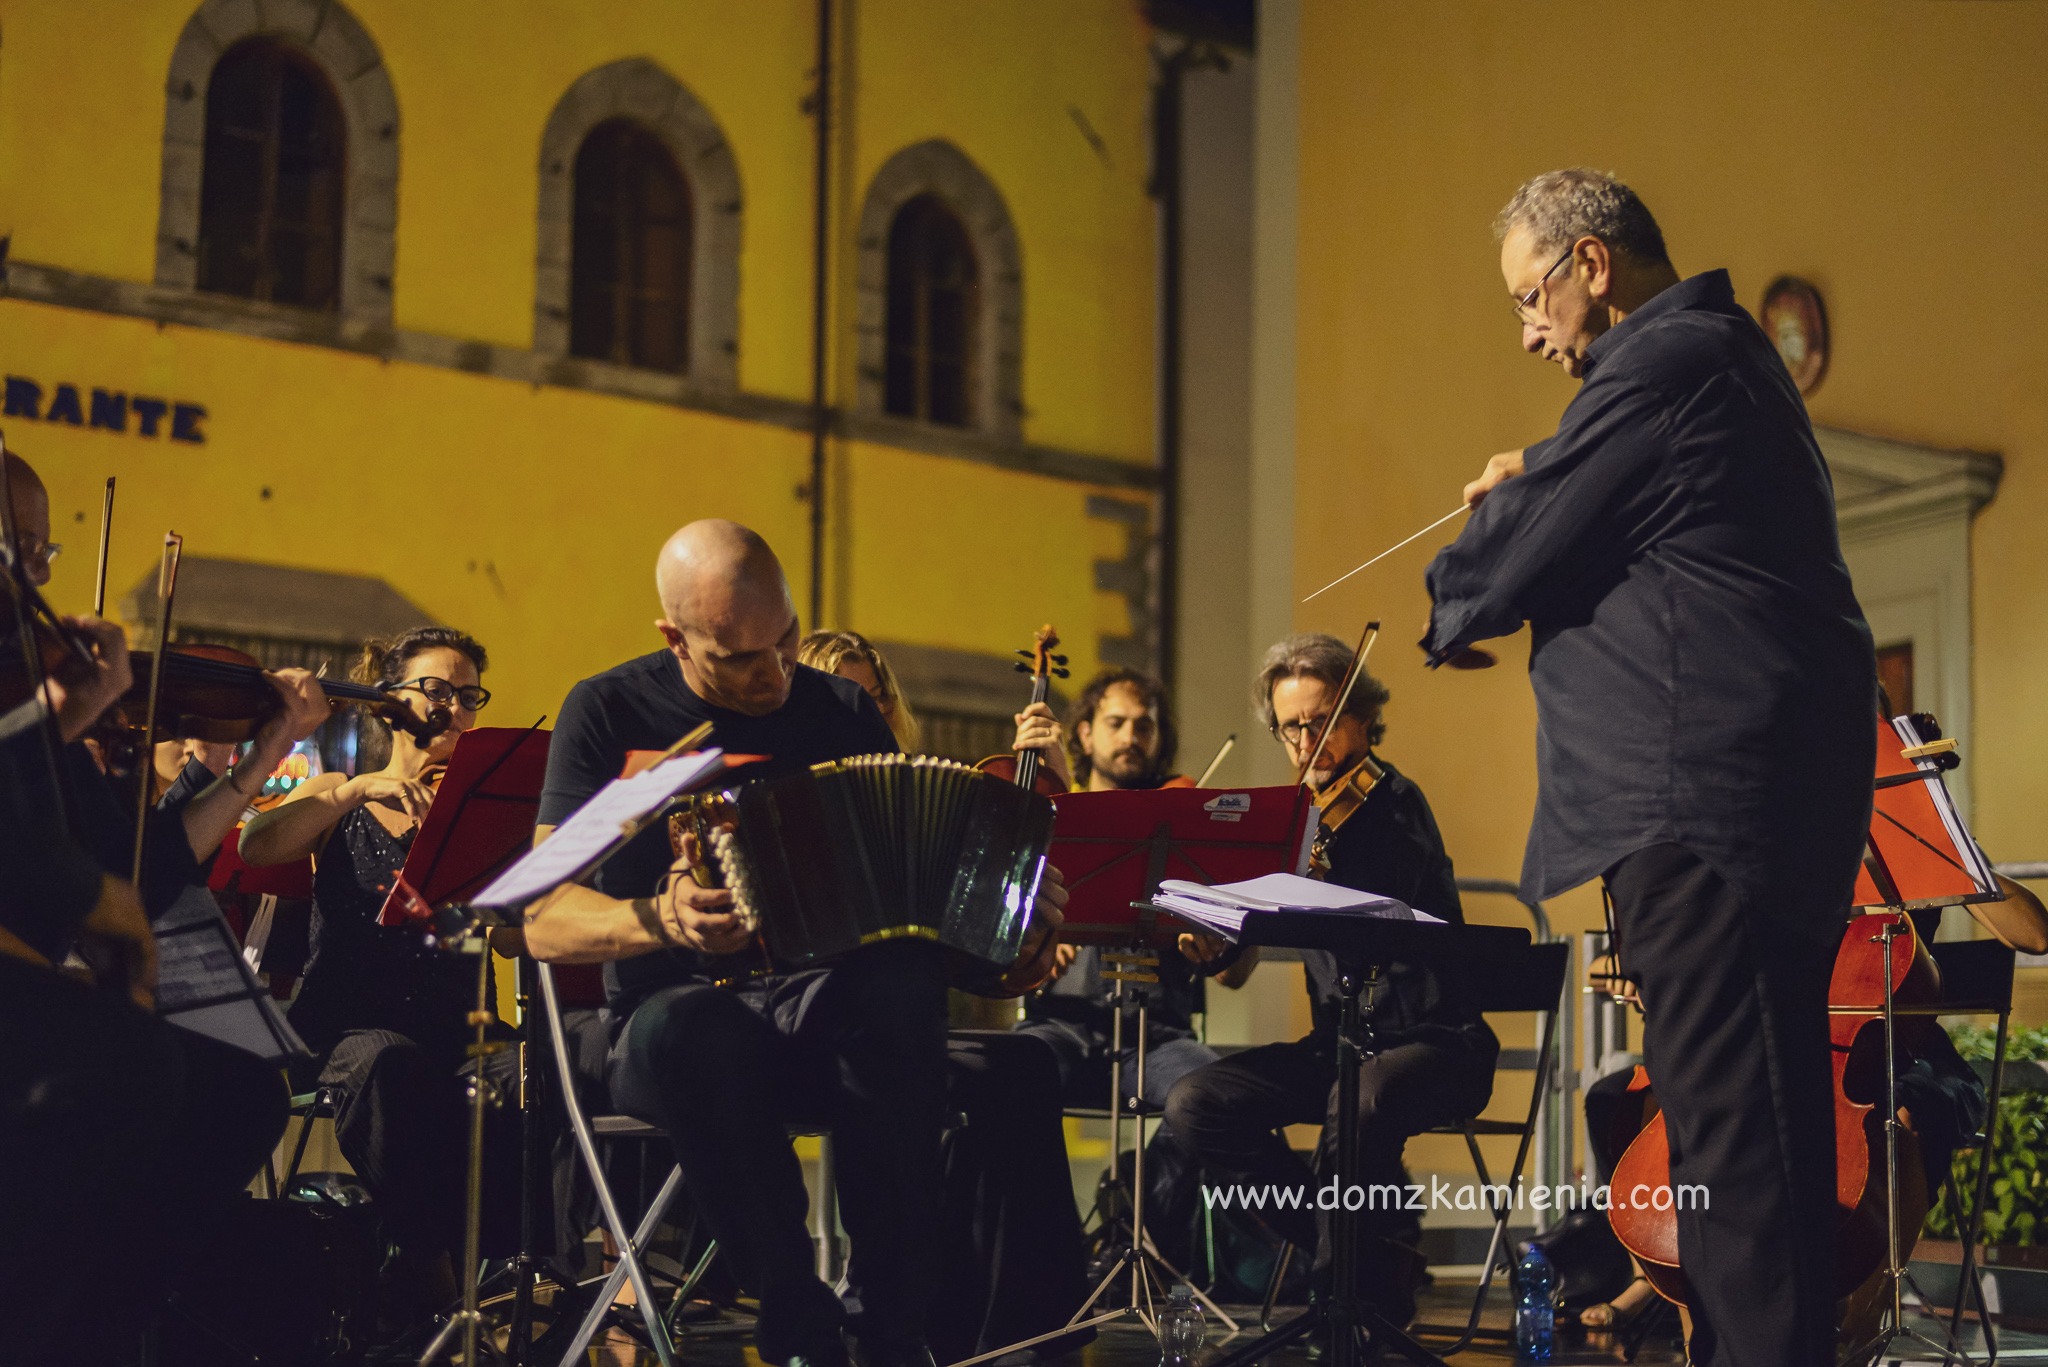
(1281, 892)
(1977, 865)
(613, 813)
(205, 986)
(1223, 909)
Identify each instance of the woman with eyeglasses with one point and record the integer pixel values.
(384, 1014)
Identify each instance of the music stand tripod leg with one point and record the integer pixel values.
(469, 1318)
(1896, 1275)
(1343, 1313)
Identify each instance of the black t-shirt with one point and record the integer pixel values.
(644, 704)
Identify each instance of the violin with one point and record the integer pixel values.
(1340, 799)
(1856, 1049)
(1024, 769)
(216, 693)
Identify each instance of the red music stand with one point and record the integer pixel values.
(1115, 848)
(1920, 854)
(482, 819)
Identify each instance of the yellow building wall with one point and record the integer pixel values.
(81, 118)
(1895, 153)
(530, 515)
(527, 515)
(1012, 84)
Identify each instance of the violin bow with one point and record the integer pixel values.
(99, 583)
(1222, 753)
(166, 590)
(1358, 657)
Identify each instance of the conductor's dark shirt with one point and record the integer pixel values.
(644, 704)
(1703, 675)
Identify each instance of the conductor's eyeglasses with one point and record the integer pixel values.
(1523, 306)
(472, 697)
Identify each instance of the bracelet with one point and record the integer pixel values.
(234, 772)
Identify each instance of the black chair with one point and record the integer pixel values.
(1532, 981)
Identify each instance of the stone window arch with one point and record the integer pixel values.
(324, 33)
(928, 367)
(638, 91)
(938, 170)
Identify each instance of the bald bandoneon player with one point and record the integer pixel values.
(727, 1071)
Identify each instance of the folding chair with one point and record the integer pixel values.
(1532, 981)
(630, 1244)
(631, 1265)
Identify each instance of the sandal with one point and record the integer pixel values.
(1617, 1313)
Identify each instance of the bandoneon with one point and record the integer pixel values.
(880, 847)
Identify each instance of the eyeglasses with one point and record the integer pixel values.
(45, 551)
(1522, 305)
(473, 697)
(1304, 731)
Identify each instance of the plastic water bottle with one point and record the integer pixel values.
(1535, 1306)
(1182, 1329)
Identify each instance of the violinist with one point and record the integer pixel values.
(850, 655)
(189, 825)
(123, 1140)
(1119, 737)
(1704, 682)
(385, 1014)
(1433, 1054)
(860, 1044)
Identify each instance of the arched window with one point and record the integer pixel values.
(933, 315)
(629, 251)
(271, 192)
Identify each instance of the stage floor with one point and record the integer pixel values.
(1128, 1344)
(1131, 1345)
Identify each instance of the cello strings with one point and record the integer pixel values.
(1461, 508)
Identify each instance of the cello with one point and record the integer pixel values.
(1856, 993)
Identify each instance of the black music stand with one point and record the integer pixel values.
(1364, 946)
(1918, 856)
(482, 819)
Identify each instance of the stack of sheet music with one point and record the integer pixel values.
(1221, 910)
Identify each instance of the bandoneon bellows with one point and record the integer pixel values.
(884, 846)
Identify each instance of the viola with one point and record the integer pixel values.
(1856, 1038)
(1024, 769)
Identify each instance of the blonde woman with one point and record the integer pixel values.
(849, 655)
